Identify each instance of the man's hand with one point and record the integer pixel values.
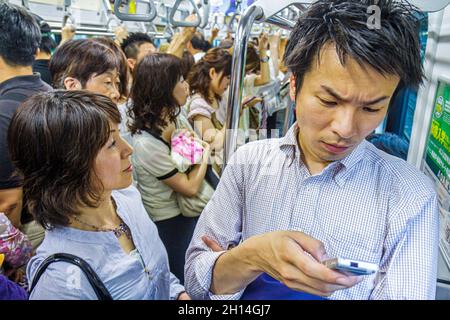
(263, 42)
(294, 259)
(291, 257)
(184, 296)
(274, 41)
(67, 33)
(121, 33)
(212, 244)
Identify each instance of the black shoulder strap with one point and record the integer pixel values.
(97, 284)
(14, 96)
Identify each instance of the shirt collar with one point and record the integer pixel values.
(289, 145)
(20, 81)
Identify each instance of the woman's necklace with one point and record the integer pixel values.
(122, 229)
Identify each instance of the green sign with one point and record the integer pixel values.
(438, 146)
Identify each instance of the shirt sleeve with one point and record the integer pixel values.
(408, 268)
(175, 287)
(221, 220)
(154, 158)
(200, 107)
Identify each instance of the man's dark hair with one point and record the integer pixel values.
(54, 139)
(393, 49)
(130, 46)
(19, 35)
(48, 45)
(199, 43)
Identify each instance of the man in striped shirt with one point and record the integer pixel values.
(284, 205)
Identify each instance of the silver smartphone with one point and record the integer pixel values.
(355, 267)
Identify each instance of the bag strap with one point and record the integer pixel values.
(14, 96)
(97, 284)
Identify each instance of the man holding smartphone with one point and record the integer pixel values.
(285, 205)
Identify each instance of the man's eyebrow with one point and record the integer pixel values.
(365, 103)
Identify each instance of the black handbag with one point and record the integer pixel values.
(97, 284)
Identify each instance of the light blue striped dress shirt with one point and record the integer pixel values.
(369, 206)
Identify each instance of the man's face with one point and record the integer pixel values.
(339, 106)
(145, 49)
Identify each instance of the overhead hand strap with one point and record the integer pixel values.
(147, 17)
(175, 23)
(206, 8)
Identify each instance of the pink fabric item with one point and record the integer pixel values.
(188, 147)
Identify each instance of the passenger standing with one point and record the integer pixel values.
(208, 81)
(99, 72)
(173, 197)
(285, 205)
(19, 37)
(77, 179)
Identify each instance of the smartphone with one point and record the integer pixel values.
(353, 266)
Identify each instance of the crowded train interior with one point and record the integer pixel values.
(224, 150)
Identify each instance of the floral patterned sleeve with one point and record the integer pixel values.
(14, 244)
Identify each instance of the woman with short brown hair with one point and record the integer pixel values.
(77, 181)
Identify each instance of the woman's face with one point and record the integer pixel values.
(112, 165)
(107, 84)
(181, 92)
(219, 84)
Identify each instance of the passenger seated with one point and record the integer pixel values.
(77, 179)
(172, 196)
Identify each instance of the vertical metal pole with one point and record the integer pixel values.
(237, 79)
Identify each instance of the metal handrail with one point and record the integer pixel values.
(260, 11)
(237, 73)
(175, 23)
(147, 17)
(267, 11)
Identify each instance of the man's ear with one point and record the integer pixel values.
(131, 63)
(37, 52)
(292, 88)
(72, 84)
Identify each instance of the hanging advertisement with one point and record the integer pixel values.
(437, 160)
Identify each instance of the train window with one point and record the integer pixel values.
(401, 113)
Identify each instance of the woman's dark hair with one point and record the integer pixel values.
(154, 80)
(53, 140)
(390, 48)
(187, 62)
(124, 71)
(19, 35)
(252, 63)
(199, 79)
(81, 59)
